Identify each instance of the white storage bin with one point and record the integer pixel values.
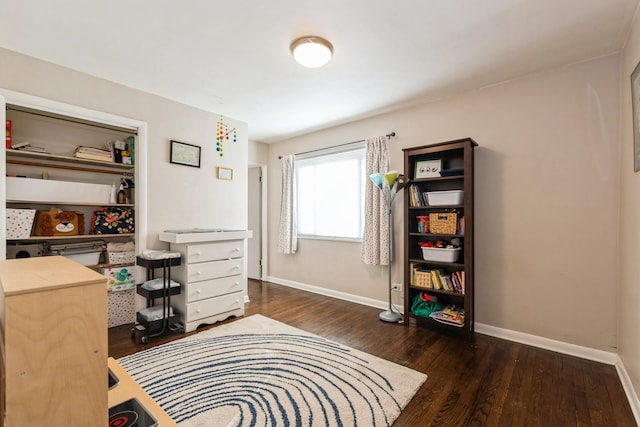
(45, 190)
(441, 254)
(85, 258)
(439, 198)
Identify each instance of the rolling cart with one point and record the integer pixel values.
(148, 328)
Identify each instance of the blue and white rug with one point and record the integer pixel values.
(260, 372)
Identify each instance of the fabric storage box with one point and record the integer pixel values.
(45, 190)
(128, 257)
(441, 254)
(122, 308)
(440, 198)
(19, 223)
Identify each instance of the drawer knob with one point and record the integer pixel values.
(198, 311)
(236, 267)
(198, 291)
(198, 273)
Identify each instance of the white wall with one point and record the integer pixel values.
(629, 288)
(546, 202)
(178, 196)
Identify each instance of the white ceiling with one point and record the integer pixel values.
(232, 57)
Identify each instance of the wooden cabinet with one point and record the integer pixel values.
(213, 275)
(53, 314)
(443, 174)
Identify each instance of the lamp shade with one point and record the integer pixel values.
(377, 179)
(311, 51)
(391, 177)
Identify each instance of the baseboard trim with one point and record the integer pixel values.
(558, 346)
(329, 292)
(601, 356)
(627, 385)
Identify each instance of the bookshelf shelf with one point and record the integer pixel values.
(454, 155)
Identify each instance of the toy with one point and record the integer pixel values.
(56, 222)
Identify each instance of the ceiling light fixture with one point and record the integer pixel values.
(311, 51)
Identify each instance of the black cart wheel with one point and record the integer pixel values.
(133, 332)
(144, 340)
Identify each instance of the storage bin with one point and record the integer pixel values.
(45, 190)
(128, 257)
(441, 254)
(423, 280)
(443, 222)
(440, 198)
(19, 223)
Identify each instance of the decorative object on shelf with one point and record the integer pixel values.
(56, 222)
(428, 169)
(112, 220)
(389, 183)
(635, 104)
(184, 154)
(311, 51)
(225, 173)
(224, 133)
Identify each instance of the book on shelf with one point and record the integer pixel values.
(91, 153)
(435, 280)
(32, 148)
(16, 144)
(450, 315)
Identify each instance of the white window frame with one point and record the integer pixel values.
(346, 148)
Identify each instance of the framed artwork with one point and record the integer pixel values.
(635, 108)
(184, 154)
(428, 169)
(225, 173)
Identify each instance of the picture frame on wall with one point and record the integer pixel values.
(635, 108)
(185, 154)
(427, 169)
(225, 173)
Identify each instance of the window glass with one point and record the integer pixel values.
(330, 194)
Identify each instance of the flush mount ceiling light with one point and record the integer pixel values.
(311, 51)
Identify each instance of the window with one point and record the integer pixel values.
(330, 193)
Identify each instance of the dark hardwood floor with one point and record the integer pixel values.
(477, 381)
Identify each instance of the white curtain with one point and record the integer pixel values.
(375, 243)
(287, 234)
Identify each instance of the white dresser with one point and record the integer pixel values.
(213, 275)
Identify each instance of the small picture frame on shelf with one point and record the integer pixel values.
(184, 154)
(428, 169)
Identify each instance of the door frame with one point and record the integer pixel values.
(263, 219)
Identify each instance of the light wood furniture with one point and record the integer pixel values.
(127, 388)
(53, 313)
(213, 275)
(454, 155)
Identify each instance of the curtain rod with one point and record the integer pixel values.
(389, 136)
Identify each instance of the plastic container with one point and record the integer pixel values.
(441, 254)
(440, 198)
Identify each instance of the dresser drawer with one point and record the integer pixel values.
(214, 251)
(214, 269)
(212, 288)
(213, 306)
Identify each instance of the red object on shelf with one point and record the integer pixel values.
(8, 122)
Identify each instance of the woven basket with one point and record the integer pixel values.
(443, 222)
(423, 280)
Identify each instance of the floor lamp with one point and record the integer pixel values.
(395, 183)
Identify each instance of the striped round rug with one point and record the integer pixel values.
(260, 372)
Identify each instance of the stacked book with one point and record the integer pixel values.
(26, 146)
(92, 153)
(450, 315)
